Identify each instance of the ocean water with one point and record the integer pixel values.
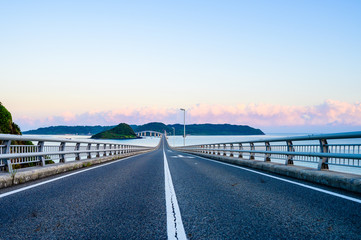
(194, 140)
(176, 141)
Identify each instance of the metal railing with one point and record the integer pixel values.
(50, 150)
(340, 149)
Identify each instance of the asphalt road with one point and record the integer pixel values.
(137, 198)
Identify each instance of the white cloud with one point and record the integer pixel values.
(329, 113)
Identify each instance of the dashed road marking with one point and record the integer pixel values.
(181, 156)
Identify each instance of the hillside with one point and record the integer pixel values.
(153, 126)
(75, 130)
(122, 131)
(215, 129)
(200, 129)
(193, 129)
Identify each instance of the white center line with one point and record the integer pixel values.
(175, 227)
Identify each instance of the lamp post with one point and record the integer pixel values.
(184, 121)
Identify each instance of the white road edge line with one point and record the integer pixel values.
(288, 181)
(58, 178)
(175, 228)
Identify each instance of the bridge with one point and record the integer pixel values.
(191, 192)
(149, 133)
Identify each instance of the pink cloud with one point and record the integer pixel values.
(330, 113)
(68, 116)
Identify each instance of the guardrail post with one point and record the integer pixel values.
(77, 148)
(12, 156)
(62, 149)
(219, 147)
(89, 148)
(110, 147)
(224, 150)
(41, 149)
(7, 144)
(267, 157)
(323, 163)
(290, 148)
(98, 153)
(231, 147)
(240, 155)
(251, 154)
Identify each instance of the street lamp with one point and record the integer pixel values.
(184, 131)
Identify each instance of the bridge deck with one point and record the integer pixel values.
(128, 199)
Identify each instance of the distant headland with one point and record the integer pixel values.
(191, 129)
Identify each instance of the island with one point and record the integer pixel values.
(121, 131)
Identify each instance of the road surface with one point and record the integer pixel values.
(167, 194)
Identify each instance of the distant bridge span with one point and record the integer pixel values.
(149, 134)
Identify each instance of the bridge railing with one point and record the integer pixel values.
(53, 150)
(340, 149)
(149, 133)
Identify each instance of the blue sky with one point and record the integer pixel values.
(121, 58)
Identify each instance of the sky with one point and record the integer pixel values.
(281, 66)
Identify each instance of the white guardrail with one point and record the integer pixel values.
(54, 150)
(316, 149)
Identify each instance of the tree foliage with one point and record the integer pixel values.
(7, 126)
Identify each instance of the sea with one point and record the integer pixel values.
(176, 141)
